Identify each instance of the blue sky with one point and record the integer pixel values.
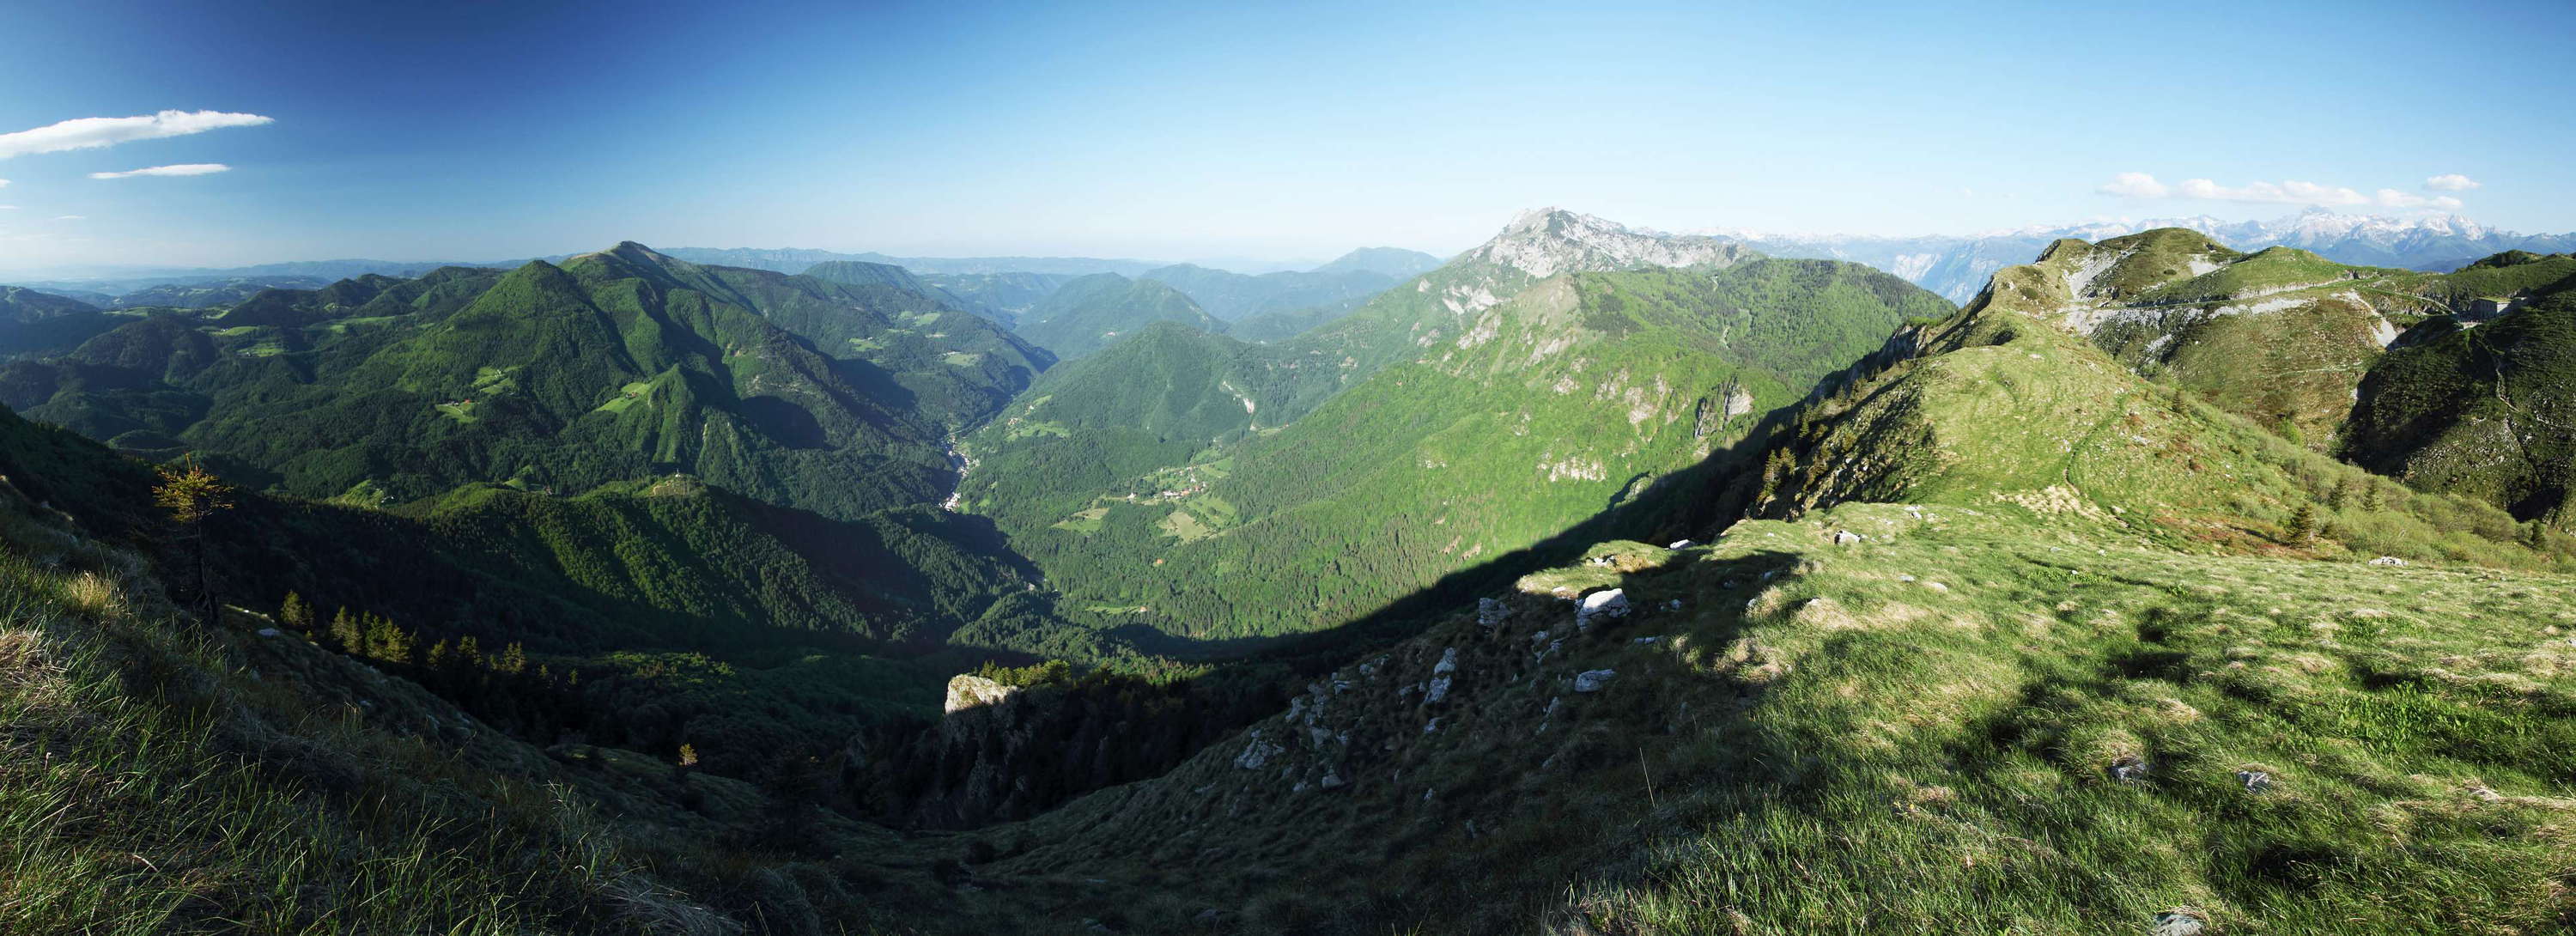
(486, 131)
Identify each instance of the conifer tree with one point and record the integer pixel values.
(2303, 524)
(296, 614)
(194, 496)
(347, 634)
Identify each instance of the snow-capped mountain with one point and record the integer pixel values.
(1957, 266)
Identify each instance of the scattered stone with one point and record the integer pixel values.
(1846, 537)
(1331, 781)
(1646, 640)
(1673, 605)
(1257, 751)
(2178, 923)
(1936, 586)
(268, 632)
(1593, 680)
(1448, 662)
(1490, 613)
(2130, 768)
(1908, 577)
(1681, 544)
(1431, 726)
(1438, 690)
(2255, 781)
(1611, 603)
(2388, 561)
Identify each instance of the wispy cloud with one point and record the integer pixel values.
(71, 217)
(4, 183)
(2450, 182)
(182, 169)
(2293, 192)
(96, 132)
(2135, 185)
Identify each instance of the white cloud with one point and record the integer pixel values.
(71, 217)
(8, 207)
(2134, 185)
(2292, 192)
(2392, 198)
(182, 169)
(2284, 193)
(2450, 182)
(95, 132)
(4, 183)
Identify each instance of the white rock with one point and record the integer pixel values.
(1439, 690)
(1257, 752)
(2177, 923)
(1490, 612)
(1645, 640)
(1846, 537)
(1593, 680)
(1612, 603)
(1681, 544)
(2388, 561)
(1448, 662)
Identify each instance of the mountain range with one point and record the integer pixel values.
(2170, 583)
(1957, 266)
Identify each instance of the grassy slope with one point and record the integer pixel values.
(2282, 336)
(159, 782)
(1917, 731)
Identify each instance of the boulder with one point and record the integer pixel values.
(1600, 605)
(1448, 662)
(1847, 537)
(1490, 612)
(2388, 561)
(1438, 691)
(1681, 544)
(2129, 769)
(1593, 680)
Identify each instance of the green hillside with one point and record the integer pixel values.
(1003, 297)
(2308, 347)
(1589, 392)
(619, 365)
(2281, 336)
(1233, 296)
(2030, 644)
(1092, 312)
(2485, 409)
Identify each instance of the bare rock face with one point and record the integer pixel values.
(970, 692)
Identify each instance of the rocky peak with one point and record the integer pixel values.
(972, 692)
(1546, 241)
